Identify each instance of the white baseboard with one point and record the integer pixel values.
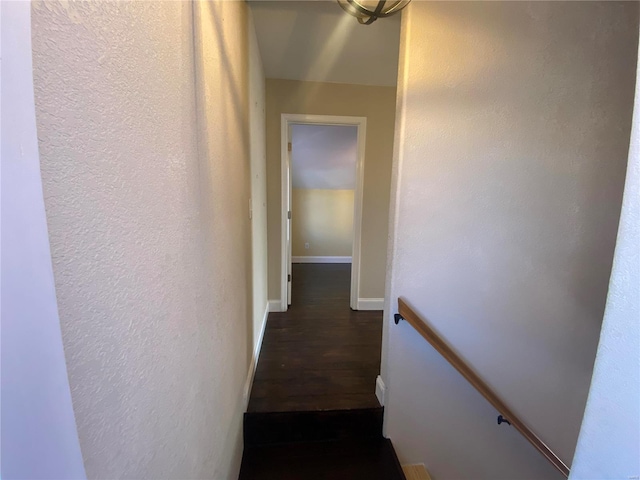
(320, 259)
(380, 390)
(274, 306)
(254, 359)
(371, 304)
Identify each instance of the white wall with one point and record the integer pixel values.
(39, 437)
(258, 192)
(512, 137)
(324, 157)
(609, 441)
(143, 115)
(315, 41)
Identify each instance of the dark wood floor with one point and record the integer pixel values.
(313, 413)
(366, 459)
(319, 355)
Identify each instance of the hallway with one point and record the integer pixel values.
(148, 234)
(320, 354)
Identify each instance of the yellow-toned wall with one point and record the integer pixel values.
(324, 219)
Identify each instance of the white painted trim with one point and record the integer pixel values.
(360, 122)
(275, 305)
(381, 390)
(254, 360)
(320, 259)
(357, 215)
(370, 304)
(284, 207)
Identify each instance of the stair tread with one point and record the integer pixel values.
(373, 459)
(416, 472)
(314, 426)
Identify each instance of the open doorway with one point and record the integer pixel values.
(322, 186)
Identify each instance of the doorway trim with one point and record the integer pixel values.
(288, 119)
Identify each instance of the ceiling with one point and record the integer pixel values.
(316, 40)
(324, 156)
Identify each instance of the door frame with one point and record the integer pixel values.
(288, 119)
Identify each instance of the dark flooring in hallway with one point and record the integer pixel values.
(320, 354)
(313, 413)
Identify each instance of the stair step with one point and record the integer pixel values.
(263, 428)
(369, 458)
(416, 472)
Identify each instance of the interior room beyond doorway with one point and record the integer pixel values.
(323, 171)
(323, 167)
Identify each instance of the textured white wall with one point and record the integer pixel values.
(39, 436)
(258, 187)
(512, 138)
(609, 442)
(144, 138)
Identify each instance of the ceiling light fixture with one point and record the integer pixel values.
(368, 11)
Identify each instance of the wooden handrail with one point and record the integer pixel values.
(407, 313)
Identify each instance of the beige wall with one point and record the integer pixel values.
(512, 138)
(145, 149)
(324, 219)
(258, 190)
(378, 105)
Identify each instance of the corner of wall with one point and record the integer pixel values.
(255, 357)
(606, 448)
